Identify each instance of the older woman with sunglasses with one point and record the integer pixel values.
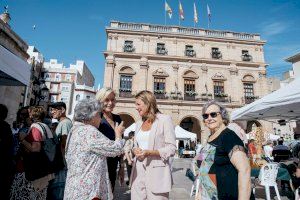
(225, 170)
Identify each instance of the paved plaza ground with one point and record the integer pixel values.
(182, 185)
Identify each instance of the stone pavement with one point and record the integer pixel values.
(182, 185)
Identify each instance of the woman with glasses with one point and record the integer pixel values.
(107, 97)
(224, 173)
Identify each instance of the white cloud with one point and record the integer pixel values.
(274, 28)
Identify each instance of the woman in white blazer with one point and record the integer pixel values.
(151, 176)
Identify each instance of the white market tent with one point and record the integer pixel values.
(180, 133)
(281, 104)
(13, 70)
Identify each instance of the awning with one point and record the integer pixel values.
(13, 70)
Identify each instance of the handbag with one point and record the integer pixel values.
(36, 165)
(190, 174)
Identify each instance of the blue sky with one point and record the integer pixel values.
(75, 29)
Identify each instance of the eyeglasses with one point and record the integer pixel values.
(212, 115)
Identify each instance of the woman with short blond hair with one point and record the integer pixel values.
(151, 176)
(109, 121)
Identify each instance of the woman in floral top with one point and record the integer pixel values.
(86, 152)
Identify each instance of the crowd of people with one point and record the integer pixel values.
(46, 155)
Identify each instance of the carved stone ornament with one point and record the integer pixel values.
(190, 74)
(218, 76)
(204, 68)
(175, 67)
(127, 70)
(160, 72)
(248, 78)
(233, 70)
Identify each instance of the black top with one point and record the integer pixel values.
(227, 175)
(106, 129)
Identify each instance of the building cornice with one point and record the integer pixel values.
(294, 58)
(184, 33)
(183, 59)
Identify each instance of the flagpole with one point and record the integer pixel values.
(165, 12)
(194, 14)
(179, 12)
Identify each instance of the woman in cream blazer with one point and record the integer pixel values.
(151, 176)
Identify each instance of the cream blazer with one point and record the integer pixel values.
(158, 170)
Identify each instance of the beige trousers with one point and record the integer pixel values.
(139, 190)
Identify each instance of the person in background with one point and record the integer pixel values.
(86, 152)
(225, 170)
(57, 186)
(268, 149)
(198, 146)
(6, 154)
(32, 143)
(155, 145)
(281, 152)
(128, 157)
(107, 97)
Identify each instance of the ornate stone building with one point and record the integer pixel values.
(185, 68)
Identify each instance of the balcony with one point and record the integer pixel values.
(160, 94)
(190, 96)
(128, 48)
(249, 99)
(190, 53)
(161, 51)
(216, 55)
(221, 97)
(125, 94)
(246, 57)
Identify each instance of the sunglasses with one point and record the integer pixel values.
(212, 115)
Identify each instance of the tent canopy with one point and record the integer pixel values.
(13, 70)
(281, 104)
(180, 133)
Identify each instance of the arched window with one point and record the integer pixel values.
(77, 97)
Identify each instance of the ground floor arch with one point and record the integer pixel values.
(252, 126)
(192, 124)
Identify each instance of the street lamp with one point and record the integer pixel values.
(40, 91)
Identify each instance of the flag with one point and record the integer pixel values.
(181, 15)
(208, 13)
(168, 9)
(195, 14)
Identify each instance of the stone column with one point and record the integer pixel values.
(175, 77)
(234, 89)
(144, 71)
(109, 71)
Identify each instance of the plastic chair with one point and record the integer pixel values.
(267, 178)
(297, 196)
(196, 182)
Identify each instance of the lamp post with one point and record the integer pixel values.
(40, 91)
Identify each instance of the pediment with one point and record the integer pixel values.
(190, 74)
(127, 70)
(160, 72)
(218, 76)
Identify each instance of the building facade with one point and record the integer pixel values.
(14, 69)
(185, 68)
(66, 83)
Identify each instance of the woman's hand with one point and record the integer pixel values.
(119, 130)
(139, 153)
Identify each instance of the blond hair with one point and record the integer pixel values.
(150, 101)
(103, 93)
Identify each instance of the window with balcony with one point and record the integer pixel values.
(218, 87)
(57, 77)
(189, 51)
(159, 87)
(125, 86)
(128, 46)
(246, 56)
(161, 49)
(189, 89)
(216, 53)
(249, 93)
(68, 77)
(47, 76)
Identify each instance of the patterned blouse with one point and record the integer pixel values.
(86, 152)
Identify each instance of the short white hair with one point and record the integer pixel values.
(86, 109)
(103, 93)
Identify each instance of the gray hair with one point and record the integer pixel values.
(86, 109)
(223, 111)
